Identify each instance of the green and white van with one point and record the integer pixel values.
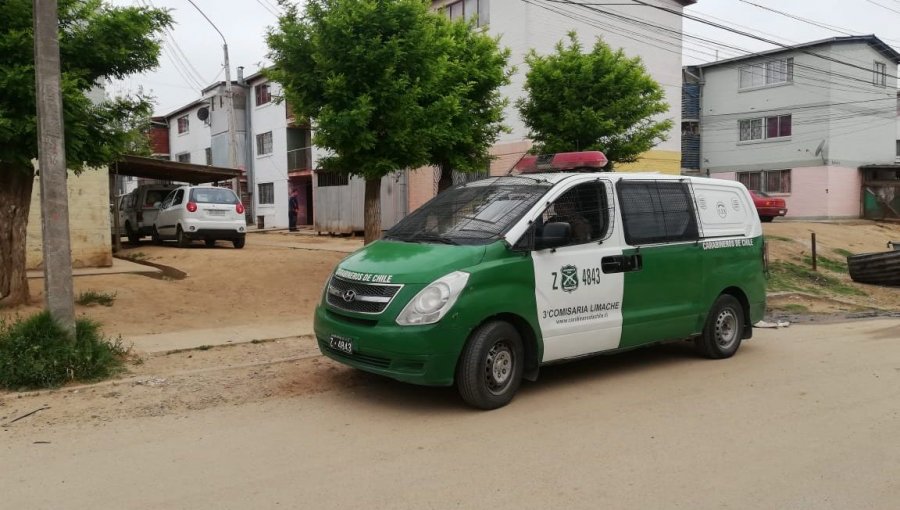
(490, 280)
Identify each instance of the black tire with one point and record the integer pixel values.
(724, 329)
(210, 243)
(155, 236)
(238, 243)
(180, 239)
(490, 367)
(133, 236)
(766, 219)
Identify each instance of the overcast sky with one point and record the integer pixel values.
(192, 55)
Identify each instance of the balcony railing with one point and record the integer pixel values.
(299, 159)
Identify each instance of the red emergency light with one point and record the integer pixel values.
(585, 161)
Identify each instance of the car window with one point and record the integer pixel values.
(657, 212)
(167, 201)
(179, 197)
(213, 196)
(585, 208)
(154, 195)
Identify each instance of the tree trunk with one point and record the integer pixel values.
(373, 210)
(446, 180)
(15, 200)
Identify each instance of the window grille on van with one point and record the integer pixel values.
(588, 208)
(657, 211)
(478, 212)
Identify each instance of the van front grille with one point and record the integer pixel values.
(370, 298)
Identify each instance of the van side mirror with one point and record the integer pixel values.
(157, 205)
(553, 235)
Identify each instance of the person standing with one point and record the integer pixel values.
(293, 210)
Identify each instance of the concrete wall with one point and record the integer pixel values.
(854, 134)
(195, 141)
(88, 221)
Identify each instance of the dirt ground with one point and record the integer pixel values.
(272, 280)
(790, 242)
(268, 280)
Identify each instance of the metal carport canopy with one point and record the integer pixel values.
(151, 168)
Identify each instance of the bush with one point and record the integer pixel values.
(37, 353)
(93, 297)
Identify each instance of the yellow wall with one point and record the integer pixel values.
(666, 162)
(88, 221)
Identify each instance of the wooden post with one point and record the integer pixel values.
(58, 292)
(813, 237)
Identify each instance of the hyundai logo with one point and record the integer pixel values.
(349, 296)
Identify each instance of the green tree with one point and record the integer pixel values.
(96, 42)
(600, 100)
(389, 85)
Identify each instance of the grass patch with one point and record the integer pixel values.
(136, 256)
(38, 353)
(778, 238)
(93, 297)
(792, 308)
(837, 266)
(787, 276)
(842, 252)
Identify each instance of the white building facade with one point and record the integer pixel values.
(800, 122)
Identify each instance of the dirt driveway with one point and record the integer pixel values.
(801, 418)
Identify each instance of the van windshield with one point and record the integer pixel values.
(213, 196)
(476, 213)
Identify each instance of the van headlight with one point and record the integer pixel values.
(433, 302)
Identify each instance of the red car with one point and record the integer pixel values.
(768, 207)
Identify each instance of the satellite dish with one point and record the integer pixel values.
(822, 149)
(203, 113)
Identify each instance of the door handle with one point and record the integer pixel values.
(621, 263)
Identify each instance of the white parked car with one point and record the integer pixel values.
(201, 212)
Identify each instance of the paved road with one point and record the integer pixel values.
(804, 418)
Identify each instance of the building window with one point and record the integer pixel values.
(183, 124)
(898, 148)
(467, 9)
(263, 94)
(778, 126)
(267, 193)
(773, 72)
(264, 144)
(184, 157)
(769, 181)
(332, 179)
(209, 155)
(879, 74)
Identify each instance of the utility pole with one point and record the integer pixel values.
(58, 294)
(229, 105)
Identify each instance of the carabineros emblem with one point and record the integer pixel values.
(569, 281)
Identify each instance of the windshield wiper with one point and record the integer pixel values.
(432, 237)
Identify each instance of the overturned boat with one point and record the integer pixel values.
(876, 268)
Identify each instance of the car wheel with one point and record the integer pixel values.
(724, 329)
(210, 243)
(766, 219)
(490, 368)
(238, 243)
(155, 236)
(180, 239)
(133, 236)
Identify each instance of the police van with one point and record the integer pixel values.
(490, 280)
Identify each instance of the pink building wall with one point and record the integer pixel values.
(820, 192)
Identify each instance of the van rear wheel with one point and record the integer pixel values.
(490, 368)
(133, 236)
(724, 329)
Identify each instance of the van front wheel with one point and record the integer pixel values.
(490, 368)
(724, 329)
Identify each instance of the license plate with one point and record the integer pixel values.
(215, 212)
(342, 344)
